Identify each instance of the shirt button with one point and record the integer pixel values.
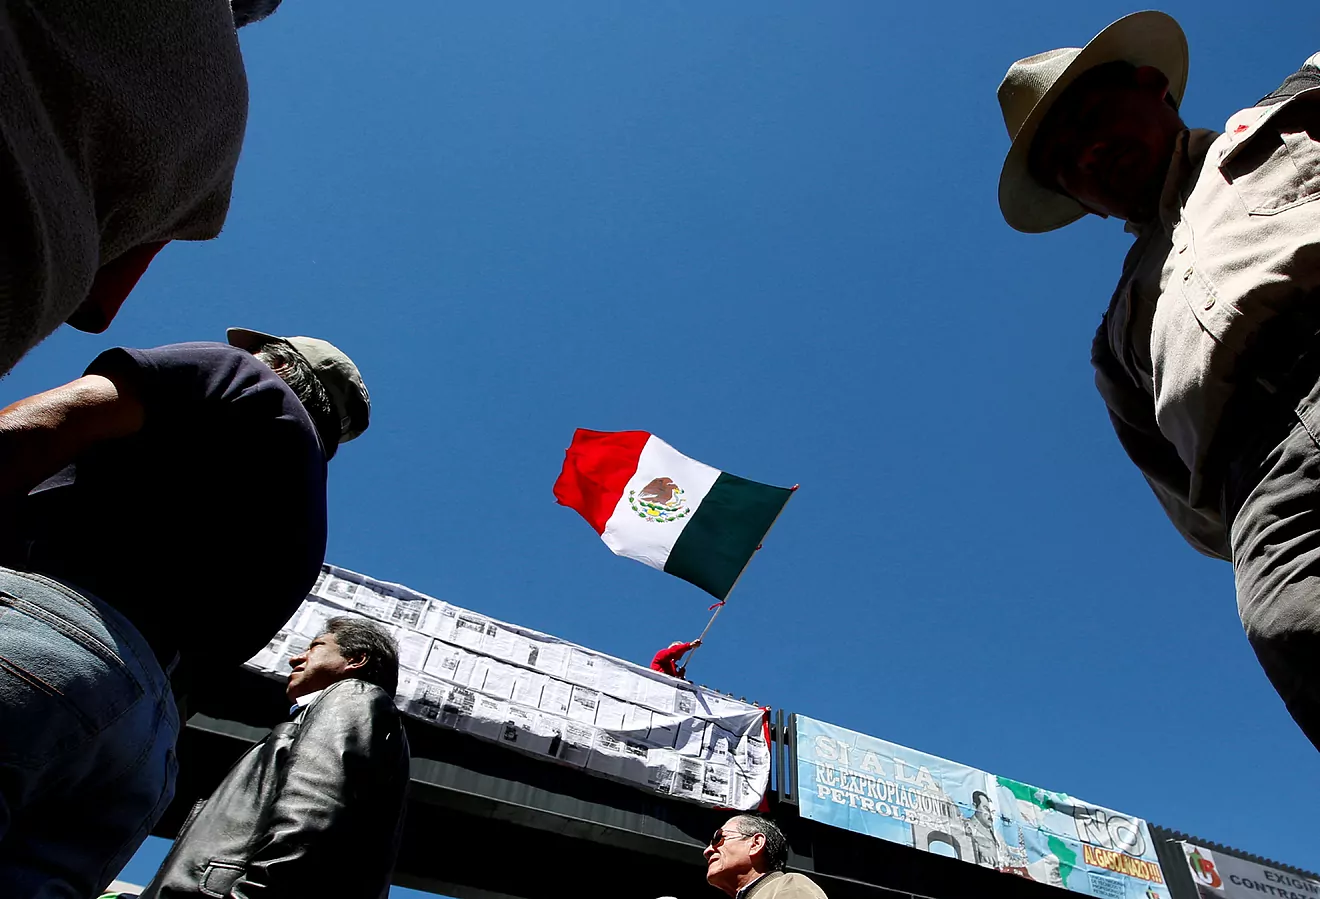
(1187, 275)
(1209, 302)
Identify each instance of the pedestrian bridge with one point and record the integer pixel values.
(486, 822)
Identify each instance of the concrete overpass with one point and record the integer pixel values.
(485, 822)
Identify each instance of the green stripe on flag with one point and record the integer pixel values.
(724, 531)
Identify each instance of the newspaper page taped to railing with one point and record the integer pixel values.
(544, 696)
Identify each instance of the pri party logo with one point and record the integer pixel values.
(1203, 869)
(661, 500)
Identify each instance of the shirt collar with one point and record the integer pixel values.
(1189, 152)
(742, 894)
(308, 698)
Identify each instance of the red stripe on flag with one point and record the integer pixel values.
(597, 466)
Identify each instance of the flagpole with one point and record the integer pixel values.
(719, 606)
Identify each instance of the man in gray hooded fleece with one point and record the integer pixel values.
(120, 130)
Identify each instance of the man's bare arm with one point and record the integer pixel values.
(43, 433)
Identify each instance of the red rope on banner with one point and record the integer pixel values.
(716, 606)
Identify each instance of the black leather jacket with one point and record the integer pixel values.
(314, 809)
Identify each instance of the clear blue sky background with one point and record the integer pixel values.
(768, 233)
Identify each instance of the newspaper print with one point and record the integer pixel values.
(546, 697)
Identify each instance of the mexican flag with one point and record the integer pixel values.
(651, 503)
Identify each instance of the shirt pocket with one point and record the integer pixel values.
(1278, 167)
(61, 683)
(220, 875)
(1214, 314)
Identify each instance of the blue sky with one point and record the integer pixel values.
(767, 233)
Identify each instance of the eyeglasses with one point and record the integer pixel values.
(720, 836)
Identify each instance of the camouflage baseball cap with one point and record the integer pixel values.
(335, 371)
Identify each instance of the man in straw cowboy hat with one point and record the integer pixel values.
(1208, 357)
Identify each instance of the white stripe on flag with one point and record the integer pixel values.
(629, 534)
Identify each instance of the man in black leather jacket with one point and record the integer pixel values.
(316, 808)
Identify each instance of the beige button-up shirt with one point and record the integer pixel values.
(778, 885)
(1234, 251)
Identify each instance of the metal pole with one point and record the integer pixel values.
(780, 741)
(702, 638)
(719, 606)
(692, 652)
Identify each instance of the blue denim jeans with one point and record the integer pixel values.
(87, 733)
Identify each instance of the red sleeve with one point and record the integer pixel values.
(668, 656)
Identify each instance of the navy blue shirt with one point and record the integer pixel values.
(208, 526)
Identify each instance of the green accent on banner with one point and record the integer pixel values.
(1064, 853)
(1042, 799)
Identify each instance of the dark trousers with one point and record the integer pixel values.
(1272, 499)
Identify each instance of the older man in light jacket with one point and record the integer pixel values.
(746, 859)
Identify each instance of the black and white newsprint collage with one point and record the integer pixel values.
(547, 697)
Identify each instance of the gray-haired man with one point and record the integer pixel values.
(164, 484)
(746, 859)
(316, 808)
(1208, 357)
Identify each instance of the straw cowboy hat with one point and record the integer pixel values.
(1033, 84)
